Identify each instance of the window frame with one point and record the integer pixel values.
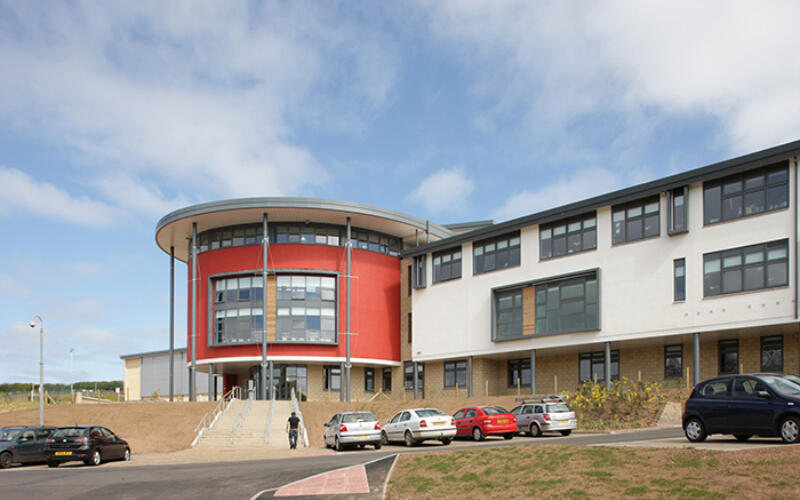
(732, 346)
(512, 245)
(437, 270)
(455, 368)
(679, 282)
(669, 353)
(369, 376)
(409, 384)
(519, 366)
(419, 271)
(220, 308)
(384, 386)
(775, 340)
(717, 274)
(627, 220)
(291, 303)
(584, 280)
(743, 191)
(550, 228)
(515, 311)
(328, 376)
(593, 357)
(672, 196)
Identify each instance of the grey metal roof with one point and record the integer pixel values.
(707, 173)
(151, 353)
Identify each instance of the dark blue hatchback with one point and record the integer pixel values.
(759, 404)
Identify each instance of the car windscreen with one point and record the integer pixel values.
(349, 418)
(494, 410)
(430, 412)
(558, 408)
(9, 434)
(782, 384)
(70, 432)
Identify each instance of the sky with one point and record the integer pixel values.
(113, 114)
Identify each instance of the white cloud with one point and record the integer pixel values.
(445, 191)
(20, 194)
(13, 288)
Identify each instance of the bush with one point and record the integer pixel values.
(627, 404)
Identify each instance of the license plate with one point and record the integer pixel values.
(62, 453)
(362, 436)
(502, 420)
(565, 421)
(439, 423)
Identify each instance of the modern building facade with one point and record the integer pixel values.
(674, 280)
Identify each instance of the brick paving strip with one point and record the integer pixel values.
(336, 482)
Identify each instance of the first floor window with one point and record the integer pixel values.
(306, 309)
(519, 370)
(369, 379)
(636, 220)
(741, 195)
(496, 253)
(677, 210)
(455, 372)
(332, 378)
(754, 267)
(238, 310)
(592, 366)
(387, 379)
(419, 272)
(447, 265)
(568, 305)
(679, 288)
(508, 314)
(772, 354)
(567, 236)
(728, 357)
(673, 361)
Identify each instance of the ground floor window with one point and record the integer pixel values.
(519, 369)
(387, 379)
(728, 357)
(455, 372)
(592, 366)
(369, 379)
(772, 354)
(673, 361)
(408, 375)
(332, 378)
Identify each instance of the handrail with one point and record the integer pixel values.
(296, 406)
(210, 418)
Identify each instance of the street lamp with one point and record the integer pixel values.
(41, 365)
(71, 393)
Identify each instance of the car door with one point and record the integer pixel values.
(524, 417)
(41, 441)
(467, 423)
(391, 426)
(711, 402)
(113, 443)
(748, 411)
(330, 429)
(405, 423)
(459, 416)
(26, 446)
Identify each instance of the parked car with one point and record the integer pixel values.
(91, 443)
(758, 404)
(420, 424)
(544, 415)
(349, 428)
(23, 445)
(482, 421)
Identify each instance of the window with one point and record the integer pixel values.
(369, 379)
(419, 271)
(410, 280)
(238, 310)
(455, 372)
(678, 210)
(519, 369)
(728, 357)
(772, 354)
(409, 327)
(447, 265)
(715, 389)
(568, 305)
(747, 268)
(564, 237)
(673, 361)
(679, 275)
(496, 253)
(508, 314)
(387, 379)
(750, 193)
(636, 220)
(306, 309)
(592, 366)
(332, 378)
(408, 375)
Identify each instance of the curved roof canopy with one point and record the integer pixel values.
(175, 228)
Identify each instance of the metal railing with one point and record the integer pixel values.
(210, 418)
(296, 406)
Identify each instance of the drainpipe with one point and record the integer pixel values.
(794, 202)
(193, 372)
(171, 323)
(347, 313)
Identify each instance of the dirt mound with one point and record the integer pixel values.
(149, 427)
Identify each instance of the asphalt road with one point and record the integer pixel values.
(241, 480)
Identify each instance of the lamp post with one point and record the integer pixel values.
(71, 393)
(41, 365)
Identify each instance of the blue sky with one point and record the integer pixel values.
(114, 113)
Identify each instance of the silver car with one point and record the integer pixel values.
(537, 416)
(417, 425)
(353, 428)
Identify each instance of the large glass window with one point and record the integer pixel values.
(508, 314)
(678, 210)
(369, 379)
(496, 253)
(447, 265)
(567, 236)
(568, 305)
(772, 354)
(238, 310)
(332, 377)
(455, 372)
(673, 361)
(519, 369)
(636, 220)
(746, 268)
(741, 195)
(387, 379)
(306, 309)
(592, 366)
(408, 375)
(728, 357)
(679, 277)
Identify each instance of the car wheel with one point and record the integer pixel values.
(535, 431)
(477, 434)
(52, 464)
(508, 436)
(378, 446)
(325, 441)
(5, 460)
(566, 432)
(95, 459)
(127, 455)
(410, 441)
(790, 430)
(694, 430)
(384, 438)
(742, 437)
(337, 445)
(446, 441)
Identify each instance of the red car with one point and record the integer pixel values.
(482, 421)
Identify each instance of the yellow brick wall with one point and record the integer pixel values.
(405, 308)
(529, 310)
(556, 373)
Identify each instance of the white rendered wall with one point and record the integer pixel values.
(453, 318)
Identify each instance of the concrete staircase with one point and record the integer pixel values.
(246, 424)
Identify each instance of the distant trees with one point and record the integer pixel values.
(105, 385)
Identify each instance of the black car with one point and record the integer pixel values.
(22, 445)
(91, 443)
(758, 404)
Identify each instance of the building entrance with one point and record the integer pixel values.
(284, 378)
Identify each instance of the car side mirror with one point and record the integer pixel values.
(764, 394)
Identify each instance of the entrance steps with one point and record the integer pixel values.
(247, 424)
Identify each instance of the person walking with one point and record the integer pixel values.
(293, 426)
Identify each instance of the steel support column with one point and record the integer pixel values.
(341, 381)
(533, 371)
(193, 371)
(696, 358)
(171, 323)
(608, 366)
(349, 247)
(210, 380)
(265, 262)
